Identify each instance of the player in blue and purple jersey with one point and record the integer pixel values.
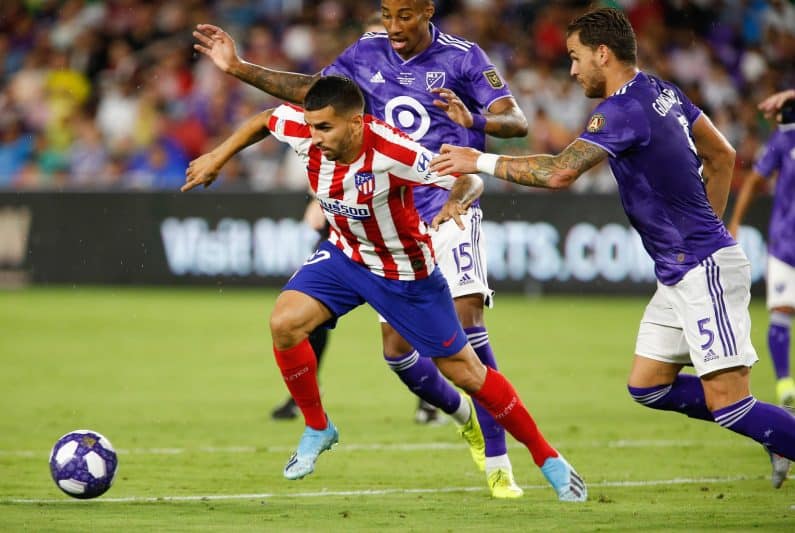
(673, 169)
(437, 88)
(777, 159)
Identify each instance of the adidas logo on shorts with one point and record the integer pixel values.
(466, 280)
(711, 356)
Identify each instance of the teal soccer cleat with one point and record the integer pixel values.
(564, 479)
(313, 443)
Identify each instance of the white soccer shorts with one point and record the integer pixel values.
(703, 320)
(780, 283)
(461, 256)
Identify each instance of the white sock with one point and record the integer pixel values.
(462, 414)
(496, 462)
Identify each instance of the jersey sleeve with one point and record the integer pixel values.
(287, 125)
(691, 110)
(771, 159)
(344, 64)
(485, 85)
(617, 124)
(421, 173)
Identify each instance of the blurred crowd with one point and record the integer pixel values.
(111, 96)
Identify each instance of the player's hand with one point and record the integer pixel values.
(451, 209)
(201, 171)
(455, 159)
(453, 106)
(770, 105)
(216, 44)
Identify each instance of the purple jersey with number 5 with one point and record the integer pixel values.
(646, 128)
(398, 91)
(779, 156)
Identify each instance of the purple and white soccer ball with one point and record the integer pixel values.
(83, 464)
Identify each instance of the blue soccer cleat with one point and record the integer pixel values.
(313, 443)
(564, 479)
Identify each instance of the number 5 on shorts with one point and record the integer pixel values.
(705, 332)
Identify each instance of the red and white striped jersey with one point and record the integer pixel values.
(369, 203)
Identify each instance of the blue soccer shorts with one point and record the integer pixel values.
(422, 311)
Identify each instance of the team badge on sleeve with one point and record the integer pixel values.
(493, 78)
(365, 182)
(596, 123)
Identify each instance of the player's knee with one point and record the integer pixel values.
(283, 327)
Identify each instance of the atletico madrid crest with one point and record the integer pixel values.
(365, 182)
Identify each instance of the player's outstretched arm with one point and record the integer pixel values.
(504, 118)
(744, 198)
(547, 171)
(204, 169)
(770, 105)
(467, 189)
(718, 157)
(219, 46)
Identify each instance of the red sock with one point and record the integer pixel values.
(499, 397)
(299, 371)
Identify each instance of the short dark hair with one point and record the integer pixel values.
(787, 113)
(338, 92)
(609, 27)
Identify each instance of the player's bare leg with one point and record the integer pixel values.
(496, 394)
(294, 316)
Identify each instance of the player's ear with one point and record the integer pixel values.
(602, 53)
(429, 10)
(357, 119)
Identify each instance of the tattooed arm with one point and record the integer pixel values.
(219, 46)
(548, 171)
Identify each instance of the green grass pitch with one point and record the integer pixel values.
(182, 381)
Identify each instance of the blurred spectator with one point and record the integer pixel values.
(98, 95)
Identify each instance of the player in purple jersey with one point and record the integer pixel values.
(777, 159)
(437, 88)
(673, 169)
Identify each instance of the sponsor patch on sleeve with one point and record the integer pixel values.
(493, 78)
(596, 123)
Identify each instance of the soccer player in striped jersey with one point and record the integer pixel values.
(364, 173)
(437, 88)
(673, 169)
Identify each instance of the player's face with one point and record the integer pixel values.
(585, 67)
(337, 136)
(406, 23)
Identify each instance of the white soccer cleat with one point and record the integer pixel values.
(780, 466)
